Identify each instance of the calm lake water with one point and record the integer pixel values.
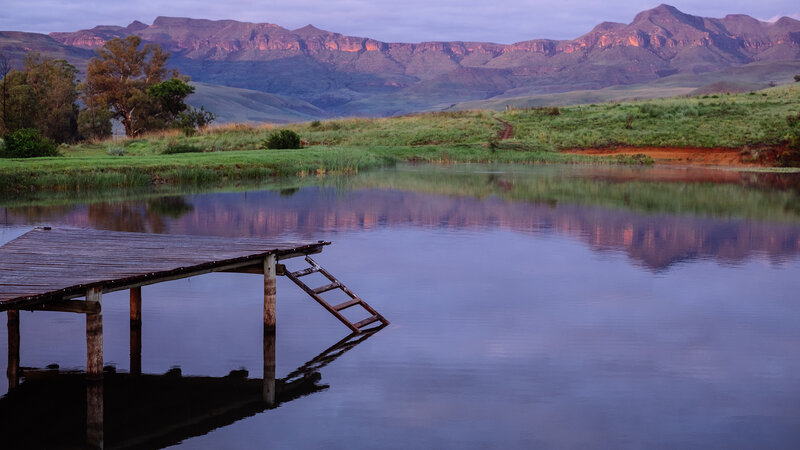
(541, 307)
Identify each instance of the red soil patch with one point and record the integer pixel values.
(686, 155)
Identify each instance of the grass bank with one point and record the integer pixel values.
(234, 153)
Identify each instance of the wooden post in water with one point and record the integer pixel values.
(94, 335)
(13, 349)
(269, 292)
(136, 331)
(94, 371)
(269, 367)
(269, 329)
(94, 413)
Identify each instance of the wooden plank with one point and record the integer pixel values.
(76, 306)
(304, 272)
(327, 287)
(347, 304)
(367, 321)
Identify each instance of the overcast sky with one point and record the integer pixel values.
(504, 21)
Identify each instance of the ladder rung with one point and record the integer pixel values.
(347, 304)
(367, 321)
(304, 272)
(327, 288)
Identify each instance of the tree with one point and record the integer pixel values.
(95, 121)
(170, 96)
(797, 78)
(5, 68)
(21, 105)
(53, 81)
(42, 96)
(121, 74)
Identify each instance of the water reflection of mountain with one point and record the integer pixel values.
(656, 240)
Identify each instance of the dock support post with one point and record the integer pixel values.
(269, 292)
(94, 413)
(13, 349)
(94, 371)
(136, 331)
(269, 367)
(269, 329)
(94, 336)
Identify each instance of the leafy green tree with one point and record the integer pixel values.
(22, 103)
(170, 96)
(42, 96)
(53, 82)
(121, 73)
(5, 68)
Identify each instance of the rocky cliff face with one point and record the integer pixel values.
(346, 73)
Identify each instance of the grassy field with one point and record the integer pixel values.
(234, 153)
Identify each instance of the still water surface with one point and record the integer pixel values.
(545, 307)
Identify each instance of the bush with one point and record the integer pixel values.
(27, 143)
(174, 148)
(283, 139)
(193, 119)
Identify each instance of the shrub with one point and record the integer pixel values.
(27, 143)
(193, 119)
(282, 139)
(552, 111)
(174, 148)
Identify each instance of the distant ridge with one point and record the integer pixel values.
(346, 75)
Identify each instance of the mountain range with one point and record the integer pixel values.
(317, 73)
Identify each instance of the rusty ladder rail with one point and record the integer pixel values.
(357, 327)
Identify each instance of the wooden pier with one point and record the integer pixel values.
(70, 269)
(48, 269)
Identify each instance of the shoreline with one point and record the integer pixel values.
(765, 157)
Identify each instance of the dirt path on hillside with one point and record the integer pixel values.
(681, 155)
(507, 132)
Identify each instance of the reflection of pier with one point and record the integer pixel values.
(134, 410)
(48, 269)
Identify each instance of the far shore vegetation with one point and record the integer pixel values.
(764, 126)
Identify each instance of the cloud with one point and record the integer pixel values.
(411, 21)
(775, 18)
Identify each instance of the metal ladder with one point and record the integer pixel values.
(357, 327)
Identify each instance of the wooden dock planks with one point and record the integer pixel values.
(47, 265)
